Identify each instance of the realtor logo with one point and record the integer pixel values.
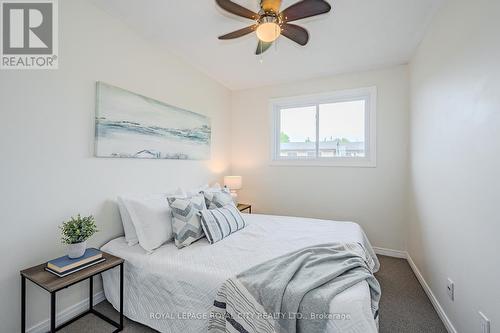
(29, 34)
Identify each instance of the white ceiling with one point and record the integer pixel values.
(356, 35)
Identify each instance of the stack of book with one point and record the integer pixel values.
(64, 266)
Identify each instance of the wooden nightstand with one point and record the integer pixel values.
(242, 207)
(52, 283)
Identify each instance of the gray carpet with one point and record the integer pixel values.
(404, 307)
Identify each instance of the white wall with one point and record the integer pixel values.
(455, 161)
(47, 168)
(374, 197)
(48, 172)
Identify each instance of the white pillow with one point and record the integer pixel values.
(195, 191)
(128, 226)
(205, 188)
(151, 217)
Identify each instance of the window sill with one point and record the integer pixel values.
(340, 162)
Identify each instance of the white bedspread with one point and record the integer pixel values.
(172, 290)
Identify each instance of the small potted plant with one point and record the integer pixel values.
(75, 233)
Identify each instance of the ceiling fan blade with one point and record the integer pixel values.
(270, 5)
(239, 33)
(236, 9)
(305, 8)
(298, 34)
(262, 47)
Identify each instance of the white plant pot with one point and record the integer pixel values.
(77, 250)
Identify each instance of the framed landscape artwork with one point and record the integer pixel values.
(130, 125)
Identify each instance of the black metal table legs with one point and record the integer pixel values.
(23, 304)
(121, 296)
(91, 310)
(53, 312)
(91, 293)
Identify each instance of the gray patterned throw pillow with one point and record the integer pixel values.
(217, 199)
(186, 224)
(219, 223)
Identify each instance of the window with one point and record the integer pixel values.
(336, 129)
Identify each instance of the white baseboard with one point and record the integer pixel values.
(439, 309)
(66, 314)
(390, 253)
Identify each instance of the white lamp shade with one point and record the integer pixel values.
(233, 182)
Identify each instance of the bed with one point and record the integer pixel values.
(173, 290)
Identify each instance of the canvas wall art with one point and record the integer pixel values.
(130, 125)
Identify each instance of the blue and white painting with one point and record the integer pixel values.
(129, 125)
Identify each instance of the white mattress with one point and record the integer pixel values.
(172, 290)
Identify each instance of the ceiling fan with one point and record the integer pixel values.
(270, 23)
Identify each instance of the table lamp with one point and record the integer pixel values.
(233, 183)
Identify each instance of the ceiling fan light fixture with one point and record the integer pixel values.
(268, 32)
(270, 22)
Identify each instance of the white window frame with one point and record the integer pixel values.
(368, 94)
